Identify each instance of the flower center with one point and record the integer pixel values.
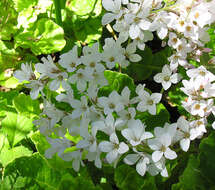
(112, 106)
(202, 73)
(163, 148)
(80, 75)
(197, 107)
(111, 59)
(166, 78)
(72, 64)
(92, 64)
(150, 102)
(186, 135)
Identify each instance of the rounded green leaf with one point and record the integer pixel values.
(44, 37)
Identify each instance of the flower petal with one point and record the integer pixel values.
(157, 155)
(170, 154)
(185, 144)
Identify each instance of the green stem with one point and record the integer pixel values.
(162, 91)
(58, 12)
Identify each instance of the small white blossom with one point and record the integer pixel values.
(148, 102)
(70, 60)
(135, 133)
(111, 103)
(25, 74)
(114, 148)
(183, 133)
(166, 78)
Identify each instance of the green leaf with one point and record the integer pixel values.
(77, 183)
(9, 96)
(89, 30)
(16, 127)
(26, 106)
(191, 179)
(207, 157)
(117, 81)
(20, 5)
(162, 116)
(11, 82)
(8, 55)
(8, 155)
(44, 37)
(83, 24)
(84, 7)
(211, 43)
(127, 178)
(35, 172)
(142, 70)
(8, 20)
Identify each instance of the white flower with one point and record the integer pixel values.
(75, 157)
(198, 108)
(148, 102)
(47, 68)
(80, 77)
(183, 133)
(113, 52)
(52, 112)
(25, 74)
(57, 146)
(113, 6)
(137, 18)
(197, 128)
(80, 107)
(92, 50)
(109, 125)
(183, 47)
(68, 97)
(213, 125)
(200, 15)
(144, 36)
(70, 60)
(125, 96)
(60, 80)
(157, 167)
(127, 115)
(159, 24)
(46, 127)
(98, 78)
(129, 53)
(166, 78)
(89, 142)
(141, 159)
(114, 148)
(192, 88)
(173, 40)
(36, 87)
(164, 137)
(111, 103)
(161, 148)
(95, 156)
(176, 60)
(135, 133)
(202, 73)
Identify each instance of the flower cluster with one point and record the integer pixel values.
(200, 102)
(182, 24)
(105, 128)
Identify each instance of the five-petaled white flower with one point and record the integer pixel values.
(166, 78)
(114, 148)
(148, 102)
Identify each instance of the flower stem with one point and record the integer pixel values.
(58, 12)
